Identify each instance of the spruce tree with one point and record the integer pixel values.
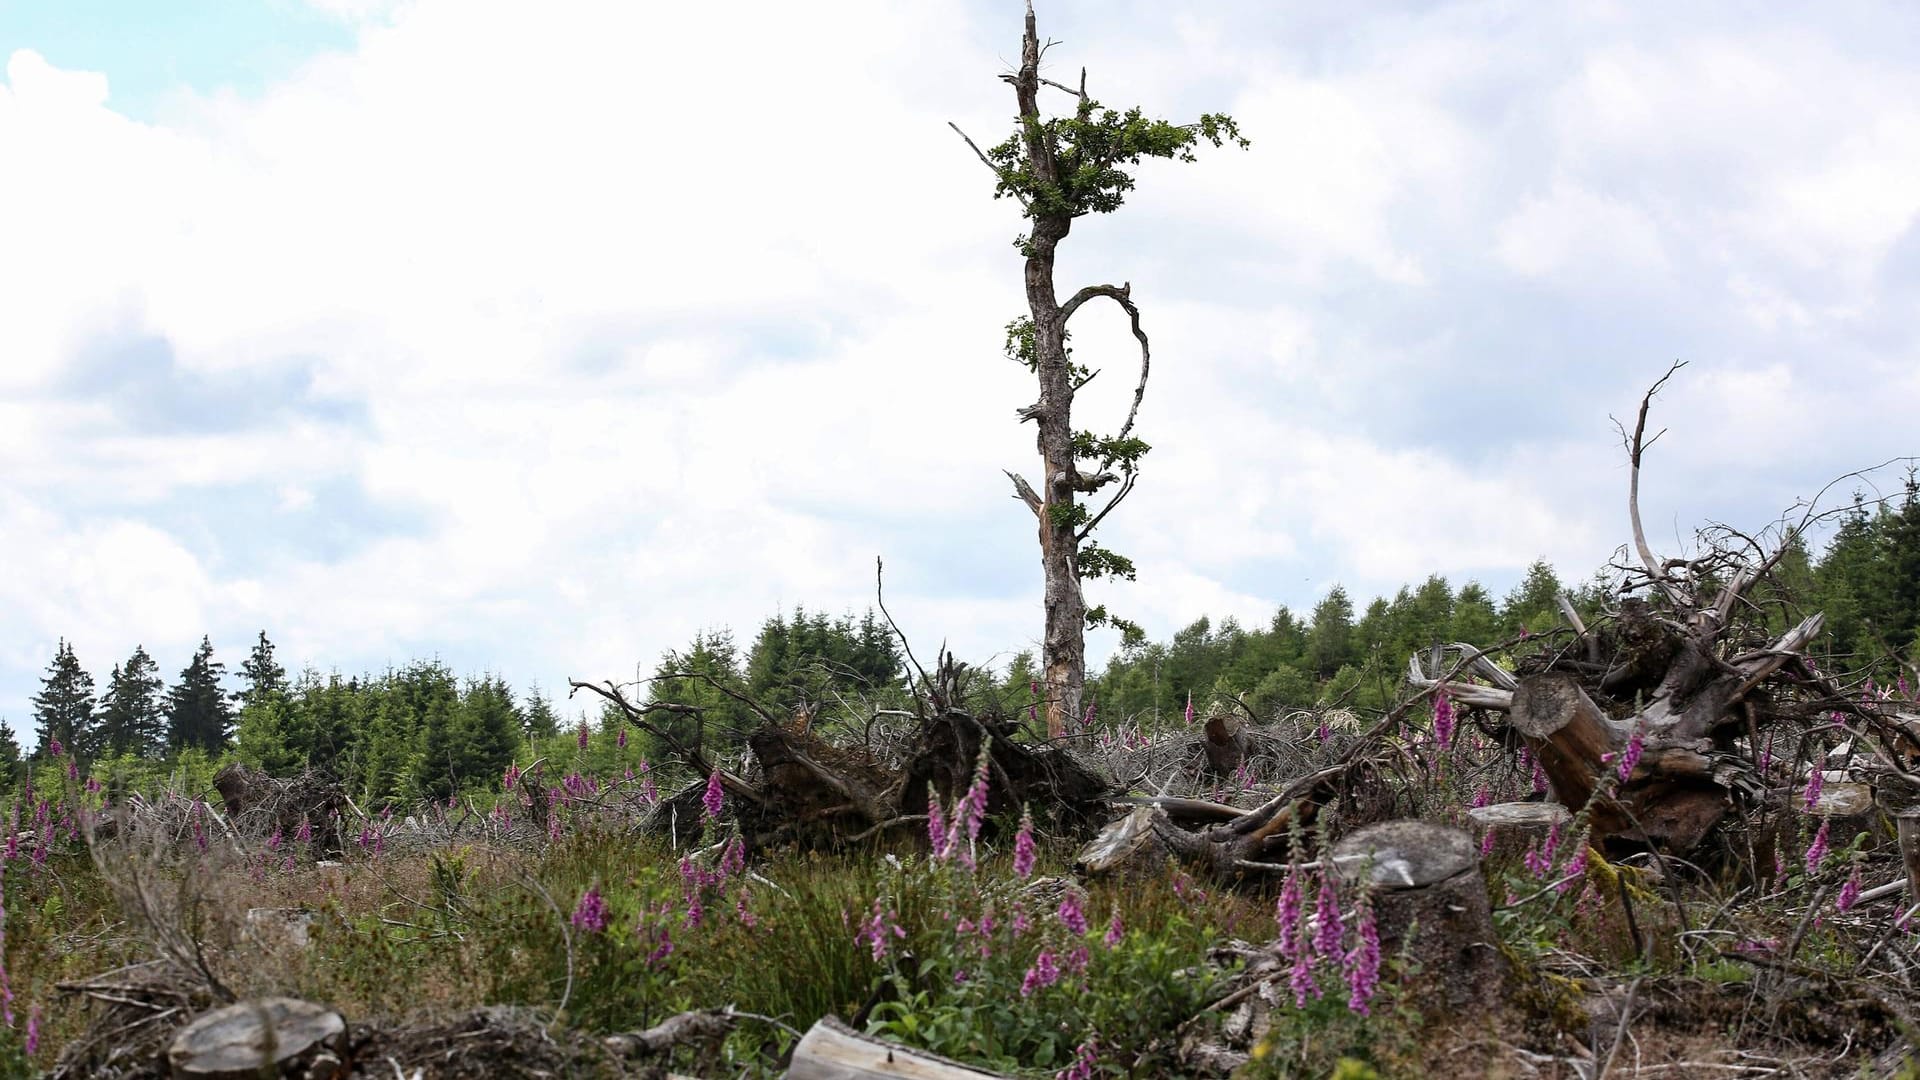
(198, 715)
(64, 706)
(9, 756)
(264, 678)
(131, 719)
(542, 722)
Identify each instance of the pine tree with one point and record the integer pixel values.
(198, 715)
(64, 706)
(131, 720)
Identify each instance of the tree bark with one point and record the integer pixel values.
(1226, 745)
(1063, 655)
(1430, 899)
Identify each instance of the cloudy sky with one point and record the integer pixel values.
(539, 337)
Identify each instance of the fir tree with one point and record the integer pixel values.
(131, 719)
(198, 715)
(541, 721)
(1332, 645)
(9, 756)
(64, 706)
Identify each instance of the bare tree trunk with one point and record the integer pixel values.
(1063, 650)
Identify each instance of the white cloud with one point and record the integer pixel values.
(650, 319)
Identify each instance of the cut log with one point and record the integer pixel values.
(1569, 735)
(268, 1037)
(1430, 899)
(833, 1051)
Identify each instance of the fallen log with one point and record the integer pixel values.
(269, 1037)
(833, 1051)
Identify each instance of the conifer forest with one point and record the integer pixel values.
(1653, 815)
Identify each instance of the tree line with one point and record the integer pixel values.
(422, 732)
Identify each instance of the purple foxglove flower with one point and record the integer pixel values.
(1116, 930)
(1363, 963)
(1044, 973)
(581, 737)
(1287, 912)
(590, 915)
(1023, 846)
(1817, 851)
(1326, 913)
(936, 824)
(1815, 780)
(1189, 708)
(1630, 757)
(713, 800)
(1443, 719)
(1850, 892)
(1072, 916)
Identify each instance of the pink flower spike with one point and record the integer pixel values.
(1443, 721)
(1631, 756)
(713, 800)
(1363, 963)
(1116, 930)
(1850, 892)
(1072, 916)
(582, 737)
(1815, 781)
(1189, 708)
(590, 915)
(1023, 846)
(1817, 851)
(936, 824)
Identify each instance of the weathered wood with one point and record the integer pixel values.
(1521, 815)
(1126, 846)
(833, 1051)
(1907, 826)
(1569, 735)
(1430, 899)
(268, 1037)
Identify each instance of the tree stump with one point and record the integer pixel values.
(833, 1051)
(1430, 902)
(1907, 826)
(268, 1037)
(1226, 745)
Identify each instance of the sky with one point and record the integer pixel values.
(541, 337)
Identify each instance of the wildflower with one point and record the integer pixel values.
(1023, 846)
(581, 736)
(747, 918)
(1815, 780)
(590, 915)
(960, 977)
(1189, 708)
(877, 932)
(304, 834)
(1766, 754)
(1021, 924)
(695, 913)
(1630, 757)
(713, 800)
(1044, 973)
(1443, 723)
(93, 785)
(1287, 911)
(1482, 797)
(54, 748)
(1078, 959)
(1817, 851)
(1575, 869)
(1850, 892)
(33, 1031)
(936, 823)
(1363, 963)
(1083, 1059)
(1324, 732)
(1072, 916)
(274, 841)
(734, 859)
(1116, 930)
(1300, 979)
(1087, 722)
(1326, 913)
(1033, 710)
(621, 742)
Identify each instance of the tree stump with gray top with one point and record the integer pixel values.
(1430, 903)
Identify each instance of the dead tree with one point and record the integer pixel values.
(1059, 169)
(1652, 720)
